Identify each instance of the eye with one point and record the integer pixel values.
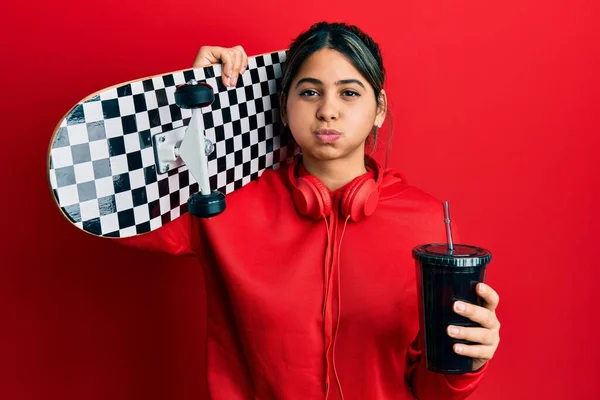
(350, 93)
(308, 93)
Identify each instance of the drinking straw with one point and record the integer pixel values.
(448, 223)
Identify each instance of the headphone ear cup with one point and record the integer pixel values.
(360, 199)
(311, 197)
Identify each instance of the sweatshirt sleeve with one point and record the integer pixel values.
(429, 385)
(177, 237)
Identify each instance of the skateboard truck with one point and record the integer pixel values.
(167, 145)
(190, 146)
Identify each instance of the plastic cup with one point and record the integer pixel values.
(443, 277)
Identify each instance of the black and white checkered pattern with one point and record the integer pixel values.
(102, 167)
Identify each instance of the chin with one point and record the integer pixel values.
(327, 152)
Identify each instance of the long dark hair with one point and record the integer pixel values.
(358, 47)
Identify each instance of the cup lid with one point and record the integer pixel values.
(462, 256)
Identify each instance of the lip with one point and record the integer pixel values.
(327, 132)
(327, 135)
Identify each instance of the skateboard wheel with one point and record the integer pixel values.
(194, 95)
(206, 205)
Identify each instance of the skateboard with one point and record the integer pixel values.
(132, 157)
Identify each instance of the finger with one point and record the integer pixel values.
(476, 335)
(209, 55)
(230, 67)
(206, 56)
(237, 66)
(244, 65)
(489, 296)
(481, 315)
(475, 351)
(228, 58)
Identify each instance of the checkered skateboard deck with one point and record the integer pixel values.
(101, 161)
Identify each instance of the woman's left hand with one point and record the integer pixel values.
(487, 337)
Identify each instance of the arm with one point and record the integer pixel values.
(177, 237)
(429, 385)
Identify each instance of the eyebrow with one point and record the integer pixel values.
(338, 83)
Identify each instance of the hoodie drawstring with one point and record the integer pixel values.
(332, 255)
(339, 286)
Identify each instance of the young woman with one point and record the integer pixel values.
(309, 278)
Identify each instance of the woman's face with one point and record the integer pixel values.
(331, 108)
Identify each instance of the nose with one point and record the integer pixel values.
(328, 109)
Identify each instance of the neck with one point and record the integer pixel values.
(336, 173)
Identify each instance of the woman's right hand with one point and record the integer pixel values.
(234, 59)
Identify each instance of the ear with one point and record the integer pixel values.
(382, 106)
(283, 108)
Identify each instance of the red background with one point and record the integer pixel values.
(496, 109)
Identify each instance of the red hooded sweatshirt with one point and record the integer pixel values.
(305, 309)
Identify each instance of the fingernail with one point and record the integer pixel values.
(459, 306)
(459, 349)
(242, 70)
(233, 80)
(453, 331)
(482, 288)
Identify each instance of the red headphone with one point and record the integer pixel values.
(313, 199)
